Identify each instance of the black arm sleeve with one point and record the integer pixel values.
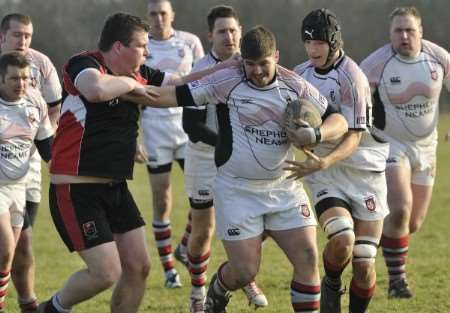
(195, 127)
(184, 96)
(45, 148)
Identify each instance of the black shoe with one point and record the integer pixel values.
(216, 303)
(330, 297)
(30, 307)
(399, 289)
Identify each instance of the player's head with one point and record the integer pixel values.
(161, 16)
(225, 31)
(406, 31)
(16, 31)
(14, 75)
(125, 37)
(260, 55)
(321, 34)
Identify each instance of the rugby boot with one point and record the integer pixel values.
(215, 302)
(330, 298)
(399, 289)
(255, 296)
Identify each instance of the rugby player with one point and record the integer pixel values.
(406, 78)
(200, 123)
(349, 188)
(175, 52)
(251, 193)
(94, 151)
(16, 32)
(24, 121)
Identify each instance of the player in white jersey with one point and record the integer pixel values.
(349, 190)
(200, 123)
(406, 78)
(23, 120)
(16, 34)
(172, 51)
(251, 193)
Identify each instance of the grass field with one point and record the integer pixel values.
(428, 263)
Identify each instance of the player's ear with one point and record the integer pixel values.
(277, 56)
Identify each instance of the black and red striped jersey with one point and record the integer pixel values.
(97, 139)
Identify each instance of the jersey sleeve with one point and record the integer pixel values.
(355, 99)
(51, 87)
(198, 51)
(45, 129)
(153, 76)
(80, 63)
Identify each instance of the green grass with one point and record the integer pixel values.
(428, 262)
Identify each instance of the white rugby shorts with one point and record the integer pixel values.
(419, 157)
(364, 191)
(199, 173)
(12, 199)
(245, 209)
(164, 139)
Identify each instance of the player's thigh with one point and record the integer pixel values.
(398, 180)
(299, 245)
(133, 250)
(202, 219)
(244, 253)
(103, 261)
(160, 183)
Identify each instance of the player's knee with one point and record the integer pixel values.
(201, 237)
(364, 273)
(107, 276)
(137, 268)
(6, 257)
(339, 231)
(415, 224)
(246, 273)
(400, 213)
(364, 254)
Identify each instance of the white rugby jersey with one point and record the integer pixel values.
(209, 60)
(347, 90)
(253, 143)
(21, 122)
(43, 76)
(406, 91)
(175, 55)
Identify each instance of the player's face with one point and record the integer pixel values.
(17, 37)
(134, 55)
(317, 51)
(14, 84)
(160, 16)
(261, 72)
(225, 37)
(406, 35)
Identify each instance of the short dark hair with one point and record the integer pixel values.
(21, 18)
(220, 11)
(404, 11)
(12, 59)
(120, 27)
(258, 43)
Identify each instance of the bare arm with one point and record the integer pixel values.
(175, 80)
(97, 87)
(53, 114)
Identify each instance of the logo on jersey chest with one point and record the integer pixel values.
(181, 53)
(332, 96)
(395, 80)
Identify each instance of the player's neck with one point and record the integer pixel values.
(162, 35)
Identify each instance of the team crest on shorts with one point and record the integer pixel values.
(370, 203)
(305, 210)
(434, 75)
(90, 230)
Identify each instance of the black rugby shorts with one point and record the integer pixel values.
(87, 215)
